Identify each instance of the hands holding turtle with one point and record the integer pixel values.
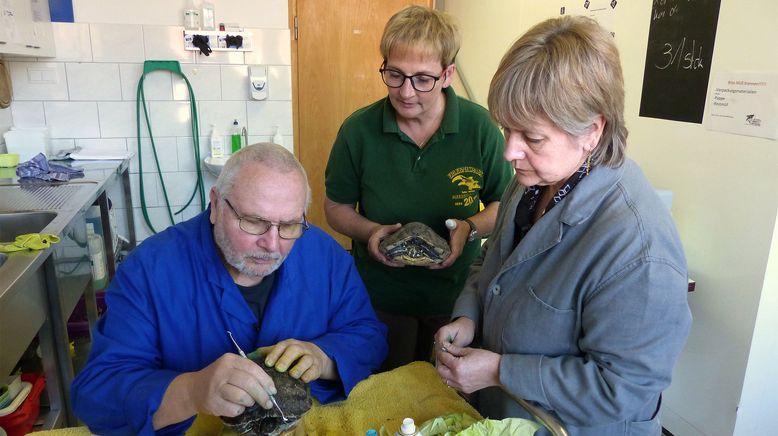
(415, 244)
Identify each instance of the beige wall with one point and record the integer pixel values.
(724, 203)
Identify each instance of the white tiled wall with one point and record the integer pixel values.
(87, 96)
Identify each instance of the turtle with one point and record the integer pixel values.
(293, 397)
(415, 244)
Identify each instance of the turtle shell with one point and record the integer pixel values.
(415, 244)
(293, 397)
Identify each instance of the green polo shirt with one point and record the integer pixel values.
(378, 167)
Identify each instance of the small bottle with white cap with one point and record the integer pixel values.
(451, 224)
(408, 428)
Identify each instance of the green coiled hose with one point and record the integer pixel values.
(199, 188)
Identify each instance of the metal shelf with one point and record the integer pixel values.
(51, 419)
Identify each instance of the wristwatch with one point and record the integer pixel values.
(473, 230)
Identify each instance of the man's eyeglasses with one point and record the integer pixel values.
(259, 226)
(420, 82)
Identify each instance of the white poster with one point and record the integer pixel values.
(603, 11)
(744, 103)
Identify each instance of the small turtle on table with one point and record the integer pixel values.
(293, 397)
(415, 244)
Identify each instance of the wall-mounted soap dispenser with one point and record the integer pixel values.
(258, 82)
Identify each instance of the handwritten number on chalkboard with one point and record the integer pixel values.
(688, 60)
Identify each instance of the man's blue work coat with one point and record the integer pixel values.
(172, 302)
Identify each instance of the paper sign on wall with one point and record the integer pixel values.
(744, 103)
(602, 11)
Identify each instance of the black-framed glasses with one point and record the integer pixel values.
(420, 82)
(259, 226)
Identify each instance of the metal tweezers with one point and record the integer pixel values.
(272, 397)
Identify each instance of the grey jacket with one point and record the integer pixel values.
(589, 312)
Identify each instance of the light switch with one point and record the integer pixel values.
(42, 75)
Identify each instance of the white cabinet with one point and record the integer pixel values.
(25, 28)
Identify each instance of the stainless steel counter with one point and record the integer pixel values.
(39, 289)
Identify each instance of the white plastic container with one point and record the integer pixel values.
(191, 16)
(97, 257)
(28, 142)
(217, 143)
(207, 16)
(408, 428)
(278, 138)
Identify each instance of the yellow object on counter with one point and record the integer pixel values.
(411, 391)
(30, 241)
(9, 160)
(70, 431)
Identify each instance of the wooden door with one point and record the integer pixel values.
(335, 61)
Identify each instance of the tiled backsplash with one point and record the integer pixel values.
(87, 98)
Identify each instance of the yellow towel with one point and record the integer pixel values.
(412, 391)
(30, 241)
(71, 431)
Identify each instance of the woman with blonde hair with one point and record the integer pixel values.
(420, 154)
(578, 302)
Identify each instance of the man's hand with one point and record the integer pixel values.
(229, 385)
(303, 360)
(378, 234)
(224, 388)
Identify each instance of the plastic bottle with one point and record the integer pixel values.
(207, 17)
(408, 428)
(235, 136)
(278, 138)
(217, 143)
(191, 16)
(96, 257)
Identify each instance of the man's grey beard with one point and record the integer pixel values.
(238, 261)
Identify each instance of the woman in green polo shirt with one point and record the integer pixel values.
(419, 154)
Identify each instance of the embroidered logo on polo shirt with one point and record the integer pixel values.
(467, 181)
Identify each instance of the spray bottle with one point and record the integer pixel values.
(235, 139)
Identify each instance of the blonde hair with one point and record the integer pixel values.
(421, 29)
(268, 154)
(567, 69)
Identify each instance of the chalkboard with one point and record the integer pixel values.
(678, 59)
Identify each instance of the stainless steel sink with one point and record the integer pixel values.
(34, 197)
(23, 299)
(19, 223)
